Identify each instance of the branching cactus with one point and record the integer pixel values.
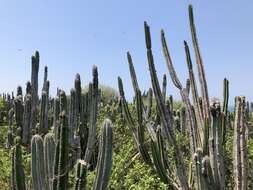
(39, 179)
(205, 124)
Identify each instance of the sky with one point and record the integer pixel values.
(71, 36)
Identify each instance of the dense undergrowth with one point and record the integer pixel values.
(129, 171)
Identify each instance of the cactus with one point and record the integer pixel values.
(138, 133)
(26, 132)
(93, 116)
(18, 176)
(10, 128)
(56, 116)
(19, 109)
(62, 145)
(81, 171)
(34, 88)
(45, 81)
(240, 151)
(37, 164)
(44, 113)
(49, 152)
(104, 158)
(163, 112)
(72, 117)
(199, 62)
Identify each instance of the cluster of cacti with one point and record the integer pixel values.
(55, 150)
(205, 123)
(70, 139)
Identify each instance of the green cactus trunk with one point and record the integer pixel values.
(38, 167)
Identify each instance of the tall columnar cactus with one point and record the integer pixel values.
(183, 120)
(81, 171)
(194, 91)
(138, 132)
(19, 91)
(225, 109)
(34, 88)
(93, 116)
(164, 87)
(205, 124)
(200, 65)
(72, 125)
(45, 81)
(44, 113)
(39, 179)
(196, 134)
(26, 132)
(56, 116)
(61, 153)
(104, 164)
(80, 115)
(10, 128)
(49, 153)
(19, 109)
(216, 145)
(18, 175)
(240, 150)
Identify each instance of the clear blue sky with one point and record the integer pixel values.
(71, 36)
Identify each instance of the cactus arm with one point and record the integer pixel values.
(132, 72)
(194, 90)
(199, 62)
(172, 71)
(195, 135)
